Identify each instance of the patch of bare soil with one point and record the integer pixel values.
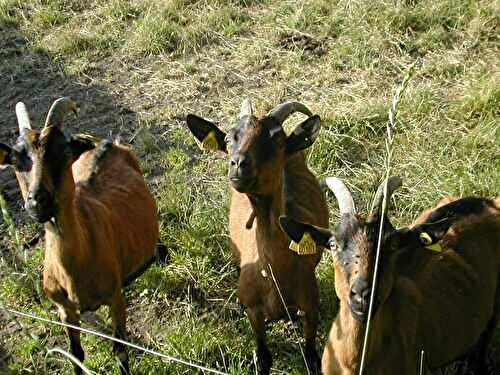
(303, 42)
(37, 80)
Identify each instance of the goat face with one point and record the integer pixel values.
(257, 148)
(40, 159)
(353, 243)
(50, 157)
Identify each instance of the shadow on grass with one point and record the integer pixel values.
(37, 80)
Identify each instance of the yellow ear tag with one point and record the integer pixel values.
(306, 245)
(210, 143)
(427, 242)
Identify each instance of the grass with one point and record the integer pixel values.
(157, 61)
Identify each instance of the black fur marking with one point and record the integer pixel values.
(100, 154)
(55, 153)
(347, 249)
(460, 208)
(79, 145)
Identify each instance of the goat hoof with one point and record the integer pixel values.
(264, 361)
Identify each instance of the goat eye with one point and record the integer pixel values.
(333, 245)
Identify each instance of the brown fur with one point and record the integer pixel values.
(104, 230)
(295, 192)
(437, 302)
(277, 182)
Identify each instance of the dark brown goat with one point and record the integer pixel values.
(100, 219)
(443, 303)
(269, 177)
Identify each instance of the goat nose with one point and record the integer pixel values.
(37, 197)
(240, 161)
(360, 290)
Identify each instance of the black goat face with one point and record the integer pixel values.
(355, 247)
(50, 155)
(39, 159)
(256, 154)
(257, 148)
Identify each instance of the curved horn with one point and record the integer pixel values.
(283, 111)
(23, 118)
(246, 108)
(58, 110)
(343, 195)
(393, 183)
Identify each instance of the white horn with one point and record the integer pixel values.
(246, 108)
(23, 119)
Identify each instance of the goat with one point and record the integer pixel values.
(442, 303)
(100, 218)
(269, 177)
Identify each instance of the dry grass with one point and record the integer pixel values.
(139, 67)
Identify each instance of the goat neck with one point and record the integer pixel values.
(63, 232)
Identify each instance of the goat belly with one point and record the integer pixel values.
(257, 289)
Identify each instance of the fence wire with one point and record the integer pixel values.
(391, 124)
(111, 338)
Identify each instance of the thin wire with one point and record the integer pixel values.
(289, 316)
(422, 353)
(70, 356)
(102, 335)
(388, 145)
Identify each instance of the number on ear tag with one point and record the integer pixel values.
(426, 240)
(210, 143)
(306, 245)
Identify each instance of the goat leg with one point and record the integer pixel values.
(118, 318)
(310, 331)
(71, 316)
(264, 358)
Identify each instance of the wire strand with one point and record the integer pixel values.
(391, 124)
(289, 316)
(104, 336)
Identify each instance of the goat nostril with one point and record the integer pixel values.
(244, 162)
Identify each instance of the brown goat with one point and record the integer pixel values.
(100, 219)
(269, 177)
(443, 303)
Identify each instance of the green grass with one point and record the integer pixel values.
(164, 59)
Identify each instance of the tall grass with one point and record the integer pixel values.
(163, 59)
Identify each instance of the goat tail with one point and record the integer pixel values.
(161, 255)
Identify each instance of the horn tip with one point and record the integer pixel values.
(332, 182)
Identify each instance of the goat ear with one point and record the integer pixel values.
(6, 154)
(427, 235)
(304, 135)
(79, 143)
(209, 136)
(296, 229)
(431, 233)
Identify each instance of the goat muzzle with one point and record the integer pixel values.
(359, 299)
